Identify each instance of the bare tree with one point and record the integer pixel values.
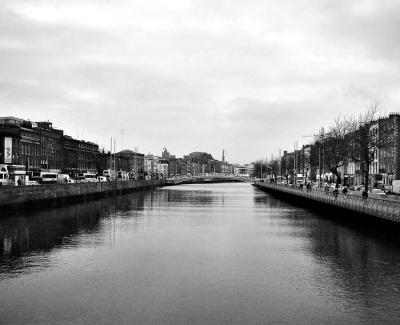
(337, 148)
(315, 158)
(260, 168)
(273, 167)
(366, 138)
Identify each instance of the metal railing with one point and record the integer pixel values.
(377, 207)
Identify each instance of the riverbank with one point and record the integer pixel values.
(205, 179)
(335, 202)
(15, 197)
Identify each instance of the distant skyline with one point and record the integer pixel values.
(249, 77)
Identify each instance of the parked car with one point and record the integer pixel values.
(377, 191)
(387, 188)
(332, 187)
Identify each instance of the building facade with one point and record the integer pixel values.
(40, 146)
(32, 144)
(79, 155)
(129, 161)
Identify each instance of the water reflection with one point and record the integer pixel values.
(363, 261)
(196, 196)
(26, 241)
(215, 253)
(360, 256)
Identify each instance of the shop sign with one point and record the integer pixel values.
(7, 150)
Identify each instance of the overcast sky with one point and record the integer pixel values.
(249, 76)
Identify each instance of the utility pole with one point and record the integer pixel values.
(110, 156)
(114, 158)
(319, 160)
(280, 165)
(323, 151)
(294, 162)
(135, 162)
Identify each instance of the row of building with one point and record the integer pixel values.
(311, 161)
(40, 146)
(196, 163)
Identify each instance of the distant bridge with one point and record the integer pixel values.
(206, 179)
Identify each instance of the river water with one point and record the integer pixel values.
(195, 254)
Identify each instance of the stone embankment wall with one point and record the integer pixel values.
(17, 195)
(205, 179)
(377, 207)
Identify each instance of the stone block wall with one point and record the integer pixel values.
(14, 195)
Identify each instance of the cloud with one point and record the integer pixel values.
(250, 77)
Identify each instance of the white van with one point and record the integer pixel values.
(89, 177)
(48, 177)
(63, 178)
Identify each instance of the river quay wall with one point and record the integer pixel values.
(205, 179)
(16, 196)
(382, 208)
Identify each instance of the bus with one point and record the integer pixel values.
(13, 173)
(4, 179)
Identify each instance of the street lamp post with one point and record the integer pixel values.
(323, 151)
(49, 147)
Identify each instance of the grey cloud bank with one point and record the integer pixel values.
(249, 77)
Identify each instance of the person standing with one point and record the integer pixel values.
(364, 195)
